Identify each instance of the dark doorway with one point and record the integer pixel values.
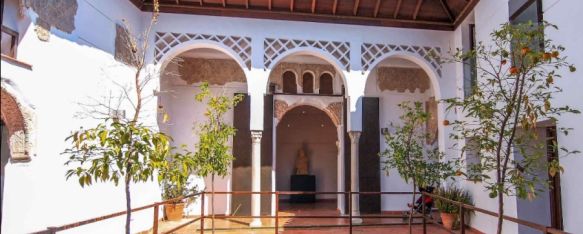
(289, 83)
(555, 186)
(326, 84)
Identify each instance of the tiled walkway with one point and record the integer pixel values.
(304, 225)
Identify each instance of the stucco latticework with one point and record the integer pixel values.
(401, 79)
(275, 77)
(240, 45)
(274, 48)
(59, 14)
(213, 71)
(19, 122)
(372, 52)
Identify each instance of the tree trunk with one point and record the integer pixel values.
(128, 203)
(411, 209)
(213, 203)
(500, 213)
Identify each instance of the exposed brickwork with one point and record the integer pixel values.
(19, 127)
(213, 71)
(59, 14)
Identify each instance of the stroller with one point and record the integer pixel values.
(418, 206)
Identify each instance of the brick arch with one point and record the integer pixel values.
(18, 120)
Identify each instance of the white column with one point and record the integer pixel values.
(256, 178)
(354, 185)
(340, 171)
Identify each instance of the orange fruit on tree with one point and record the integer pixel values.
(514, 70)
(555, 54)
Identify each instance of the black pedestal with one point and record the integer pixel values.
(304, 183)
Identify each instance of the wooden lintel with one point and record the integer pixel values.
(355, 9)
(397, 9)
(465, 12)
(313, 6)
(334, 7)
(447, 10)
(377, 7)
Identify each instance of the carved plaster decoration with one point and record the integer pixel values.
(371, 52)
(19, 121)
(276, 75)
(256, 136)
(401, 79)
(274, 47)
(165, 41)
(431, 124)
(213, 71)
(280, 108)
(59, 14)
(335, 109)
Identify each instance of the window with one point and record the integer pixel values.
(308, 82)
(9, 38)
(522, 11)
(326, 84)
(470, 71)
(289, 83)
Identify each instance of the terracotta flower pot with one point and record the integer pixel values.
(448, 220)
(174, 211)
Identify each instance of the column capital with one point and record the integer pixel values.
(354, 136)
(256, 136)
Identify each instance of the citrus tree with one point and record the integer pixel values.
(416, 162)
(213, 154)
(516, 84)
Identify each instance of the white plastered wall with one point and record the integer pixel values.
(66, 70)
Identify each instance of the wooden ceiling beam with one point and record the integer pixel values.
(269, 4)
(355, 9)
(397, 9)
(200, 2)
(313, 6)
(447, 10)
(224, 3)
(465, 12)
(247, 4)
(334, 7)
(377, 7)
(291, 5)
(177, 2)
(417, 8)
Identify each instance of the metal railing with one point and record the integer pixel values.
(156, 219)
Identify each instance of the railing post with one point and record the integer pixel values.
(155, 225)
(202, 213)
(462, 219)
(350, 211)
(423, 212)
(276, 212)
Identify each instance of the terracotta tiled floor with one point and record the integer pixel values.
(303, 225)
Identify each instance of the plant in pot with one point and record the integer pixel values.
(449, 211)
(174, 180)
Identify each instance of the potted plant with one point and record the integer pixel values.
(449, 211)
(175, 184)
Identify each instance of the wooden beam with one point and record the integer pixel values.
(464, 13)
(200, 2)
(247, 4)
(269, 4)
(377, 7)
(177, 2)
(291, 5)
(397, 9)
(313, 6)
(417, 8)
(224, 3)
(447, 10)
(334, 7)
(355, 9)
(300, 16)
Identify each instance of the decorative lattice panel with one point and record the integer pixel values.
(166, 41)
(372, 52)
(273, 48)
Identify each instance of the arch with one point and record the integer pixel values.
(333, 110)
(326, 84)
(431, 73)
(163, 55)
(308, 82)
(319, 53)
(290, 82)
(19, 120)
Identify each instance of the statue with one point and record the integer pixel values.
(302, 163)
